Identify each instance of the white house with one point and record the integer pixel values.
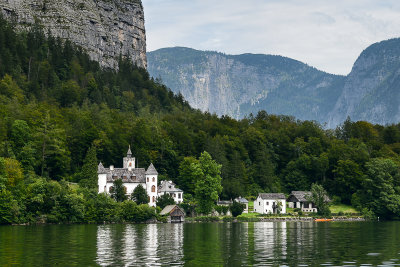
(270, 203)
(131, 177)
(300, 200)
(168, 187)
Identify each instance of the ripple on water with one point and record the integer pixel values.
(373, 254)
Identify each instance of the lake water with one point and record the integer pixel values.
(203, 244)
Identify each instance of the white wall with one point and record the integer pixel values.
(102, 182)
(129, 187)
(150, 183)
(264, 206)
(178, 197)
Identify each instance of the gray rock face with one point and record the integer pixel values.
(244, 84)
(372, 89)
(105, 29)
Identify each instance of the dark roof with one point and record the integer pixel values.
(272, 196)
(129, 153)
(168, 186)
(168, 209)
(302, 196)
(151, 170)
(224, 202)
(137, 175)
(101, 169)
(241, 200)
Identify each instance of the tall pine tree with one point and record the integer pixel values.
(88, 175)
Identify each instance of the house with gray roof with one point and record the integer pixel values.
(131, 177)
(270, 203)
(300, 200)
(168, 187)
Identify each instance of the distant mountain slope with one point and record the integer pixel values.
(372, 89)
(238, 85)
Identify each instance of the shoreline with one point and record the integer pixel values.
(269, 219)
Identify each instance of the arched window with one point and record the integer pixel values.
(154, 179)
(105, 188)
(147, 179)
(154, 199)
(153, 188)
(130, 164)
(111, 188)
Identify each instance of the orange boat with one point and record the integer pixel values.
(323, 220)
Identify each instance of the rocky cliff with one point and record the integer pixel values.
(105, 29)
(244, 84)
(372, 89)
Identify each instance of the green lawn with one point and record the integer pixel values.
(249, 215)
(342, 208)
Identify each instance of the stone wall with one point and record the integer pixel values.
(106, 29)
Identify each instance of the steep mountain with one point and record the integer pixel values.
(105, 29)
(372, 89)
(241, 84)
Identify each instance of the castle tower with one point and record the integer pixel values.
(151, 184)
(129, 161)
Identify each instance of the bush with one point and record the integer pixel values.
(237, 208)
(222, 210)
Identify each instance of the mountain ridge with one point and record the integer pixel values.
(281, 85)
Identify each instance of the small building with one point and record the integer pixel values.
(175, 213)
(226, 203)
(243, 201)
(168, 187)
(299, 200)
(270, 203)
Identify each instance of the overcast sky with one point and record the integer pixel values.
(328, 35)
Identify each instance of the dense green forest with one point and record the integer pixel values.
(56, 104)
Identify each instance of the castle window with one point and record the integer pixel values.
(154, 179)
(153, 188)
(154, 199)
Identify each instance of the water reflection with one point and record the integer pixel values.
(144, 245)
(245, 244)
(203, 244)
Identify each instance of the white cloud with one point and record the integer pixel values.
(323, 33)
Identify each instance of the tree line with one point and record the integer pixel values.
(57, 104)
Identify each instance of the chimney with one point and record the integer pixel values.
(111, 167)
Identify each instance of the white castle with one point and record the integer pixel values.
(131, 177)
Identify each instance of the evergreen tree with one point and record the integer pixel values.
(88, 175)
(139, 195)
(118, 191)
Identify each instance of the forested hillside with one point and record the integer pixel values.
(56, 104)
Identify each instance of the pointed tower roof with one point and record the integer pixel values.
(100, 168)
(129, 153)
(151, 170)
